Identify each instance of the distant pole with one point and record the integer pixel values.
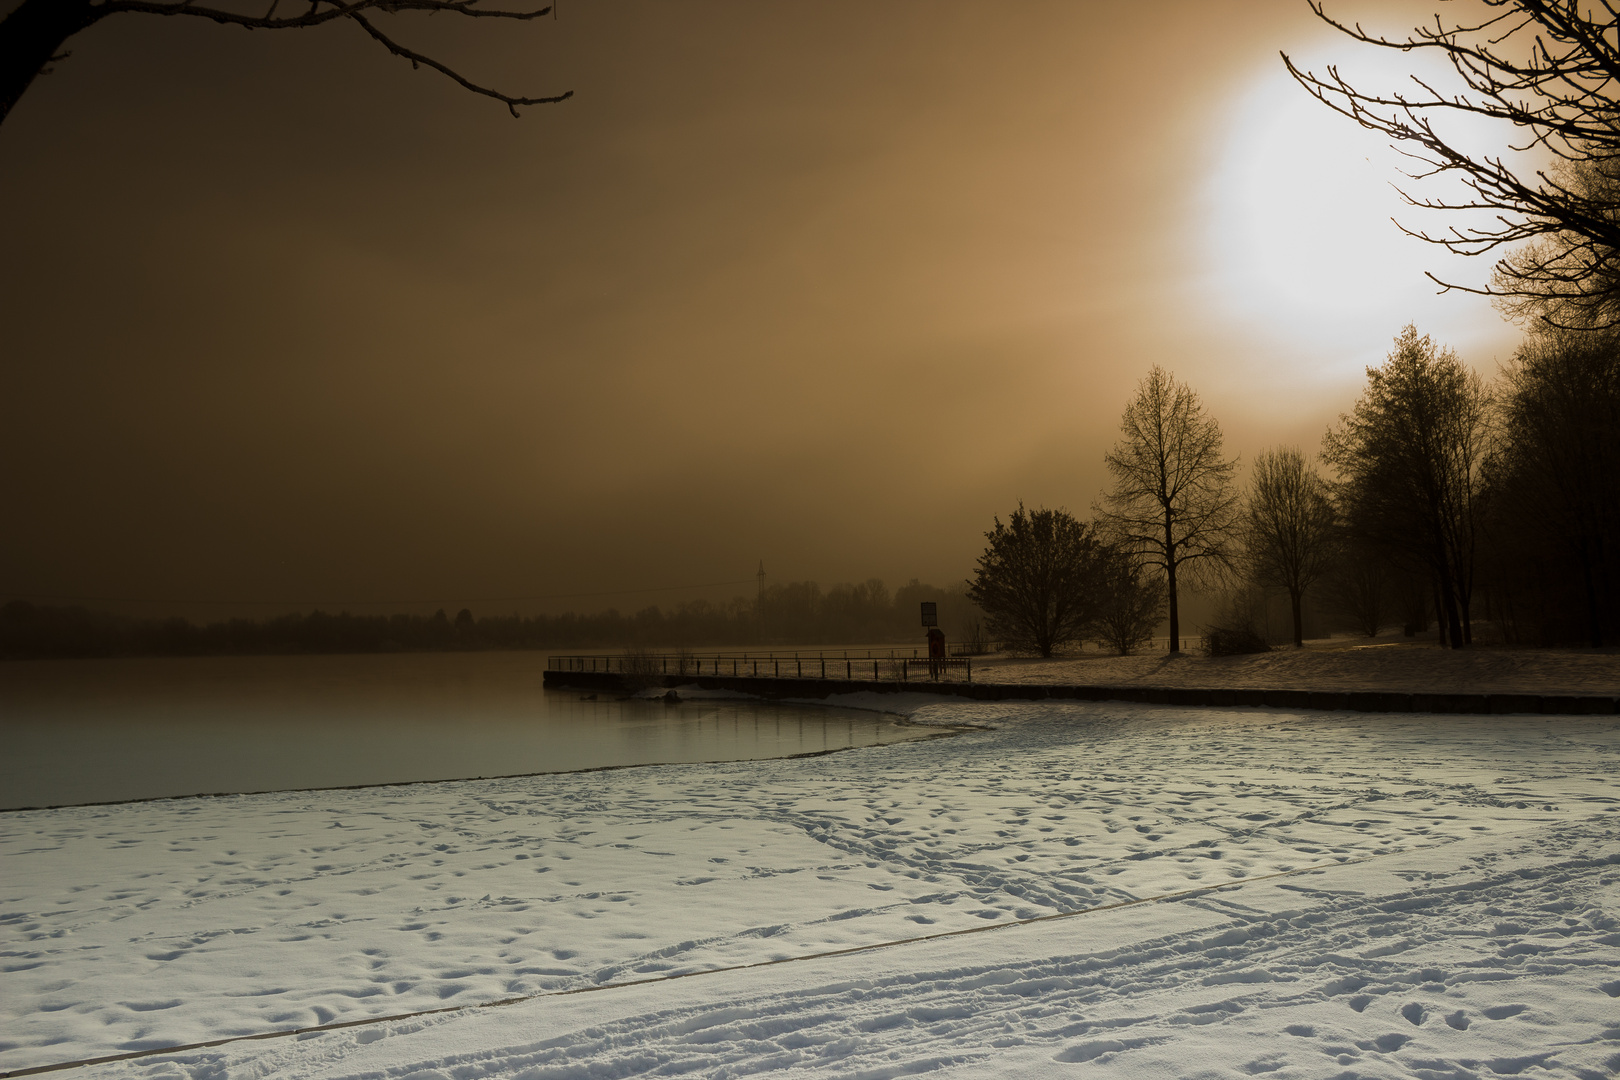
(761, 577)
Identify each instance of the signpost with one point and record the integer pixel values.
(936, 640)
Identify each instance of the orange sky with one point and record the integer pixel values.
(824, 285)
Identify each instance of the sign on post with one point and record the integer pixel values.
(930, 613)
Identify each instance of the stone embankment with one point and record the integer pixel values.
(1380, 701)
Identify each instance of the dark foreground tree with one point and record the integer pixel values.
(33, 34)
(1546, 71)
(1288, 528)
(1037, 580)
(1130, 602)
(1172, 503)
(1409, 458)
(1556, 513)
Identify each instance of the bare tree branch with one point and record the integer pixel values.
(1550, 69)
(31, 36)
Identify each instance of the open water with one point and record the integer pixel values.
(82, 731)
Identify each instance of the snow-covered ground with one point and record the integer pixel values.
(1107, 888)
(1344, 664)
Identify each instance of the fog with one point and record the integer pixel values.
(288, 324)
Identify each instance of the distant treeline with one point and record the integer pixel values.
(795, 613)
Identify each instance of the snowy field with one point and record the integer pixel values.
(1087, 889)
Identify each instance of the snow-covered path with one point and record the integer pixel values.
(1448, 905)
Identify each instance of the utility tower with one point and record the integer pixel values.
(760, 577)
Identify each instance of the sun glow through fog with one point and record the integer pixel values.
(1302, 207)
(1300, 234)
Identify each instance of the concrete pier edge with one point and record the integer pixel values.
(1380, 701)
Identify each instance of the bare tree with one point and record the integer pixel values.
(33, 34)
(1037, 580)
(1130, 602)
(1288, 527)
(1409, 458)
(1548, 68)
(1172, 502)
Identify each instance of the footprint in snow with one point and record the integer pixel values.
(1269, 1063)
(1090, 1051)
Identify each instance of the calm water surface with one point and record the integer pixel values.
(78, 731)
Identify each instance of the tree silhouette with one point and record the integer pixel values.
(1409, 459)
(1288, 527)
(1172, 503)
(1548, 69)
(32, 35)
(1037, 581)
(1131, 602)
(1556, 476)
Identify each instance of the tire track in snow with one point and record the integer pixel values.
(827, 954)
(1307, 990)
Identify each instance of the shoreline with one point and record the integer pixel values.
(1364, 700)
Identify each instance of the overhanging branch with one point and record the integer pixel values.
(1558, 87)
(32, 34)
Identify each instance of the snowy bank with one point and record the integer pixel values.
(1394, 667)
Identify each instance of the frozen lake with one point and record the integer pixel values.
(82, 731)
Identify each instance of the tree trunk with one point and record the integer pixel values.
(30, 36)
(1439, 611)
(1451, 617)
(1170, 582)
(1299, 619)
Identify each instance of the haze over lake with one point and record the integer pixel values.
(80, 731)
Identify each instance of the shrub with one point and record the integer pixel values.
(1232, 641)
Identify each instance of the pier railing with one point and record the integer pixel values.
(867, 668)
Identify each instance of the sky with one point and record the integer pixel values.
(828, 287)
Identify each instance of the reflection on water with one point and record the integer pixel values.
(103, 730)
